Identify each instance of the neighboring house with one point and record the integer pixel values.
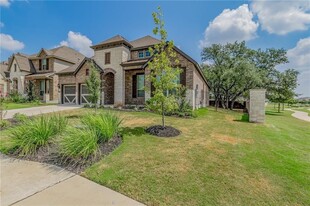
(19, 66)
(4, 79)
(46, 64)
(40, 69)
(123, 65)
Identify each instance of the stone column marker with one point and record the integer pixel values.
(257, 105)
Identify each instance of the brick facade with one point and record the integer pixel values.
(129, 99)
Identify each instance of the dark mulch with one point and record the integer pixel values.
(50, 155)
(161, 131)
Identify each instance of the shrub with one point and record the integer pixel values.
(20, 117)
(4, 123)
(105, 124)
(79, 143)
(33, 134)
(16, 97)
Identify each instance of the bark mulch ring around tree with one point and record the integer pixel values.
(161, 131)
(50, 155)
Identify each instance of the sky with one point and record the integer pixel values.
(27, 26)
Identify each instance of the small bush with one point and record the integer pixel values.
(20, 117)
(4, 124)
(79, 143)
(106, 124)
(16, 97)
(33, 134)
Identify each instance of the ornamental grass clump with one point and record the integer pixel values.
(106, 125)
(79, 143)
(35, 133)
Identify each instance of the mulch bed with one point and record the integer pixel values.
(161, 131)
(50, 155)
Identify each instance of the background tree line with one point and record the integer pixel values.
(233, 69)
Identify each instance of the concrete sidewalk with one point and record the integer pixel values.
(300, 115)
(40, 110)
(32, 183)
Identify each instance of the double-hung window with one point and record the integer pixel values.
(44, 65)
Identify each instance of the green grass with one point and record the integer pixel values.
(219, 159)
(12, 105)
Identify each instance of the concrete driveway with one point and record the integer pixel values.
(32, 183)
(40, 110)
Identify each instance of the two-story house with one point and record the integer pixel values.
(19, 66)
(40, 69)
(123, 65)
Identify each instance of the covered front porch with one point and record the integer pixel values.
(44, 86)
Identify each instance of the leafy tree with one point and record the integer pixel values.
(266, 62)
(231, 73)
(163, 75)
(283, 88)
(93, 85)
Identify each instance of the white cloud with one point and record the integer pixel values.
(282, 16)
(299, 59)
(5, 3)
(230, 26)
(299, 56)
(79, 42)
(8, 43)
(1, 24)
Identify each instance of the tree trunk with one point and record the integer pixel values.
(227, 103)
(232, 104)
(279, 106)
(216, 104)
(282, 106)
(162, 114)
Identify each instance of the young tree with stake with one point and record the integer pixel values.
(163, 75)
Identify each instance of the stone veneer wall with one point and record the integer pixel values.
(128, 88)
(119, 54)
(257, 105)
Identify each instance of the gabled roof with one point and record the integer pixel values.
(113, 40)
(76, 67)
(145, 41)
(22, 61)
(63, 53)
(198, 68)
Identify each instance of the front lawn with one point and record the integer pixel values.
(219, 159)
(12, 105)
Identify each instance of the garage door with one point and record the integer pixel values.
(69, 94)
(84, 95)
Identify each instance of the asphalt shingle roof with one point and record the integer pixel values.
(144, 41)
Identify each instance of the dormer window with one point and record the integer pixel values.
(141, 54)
